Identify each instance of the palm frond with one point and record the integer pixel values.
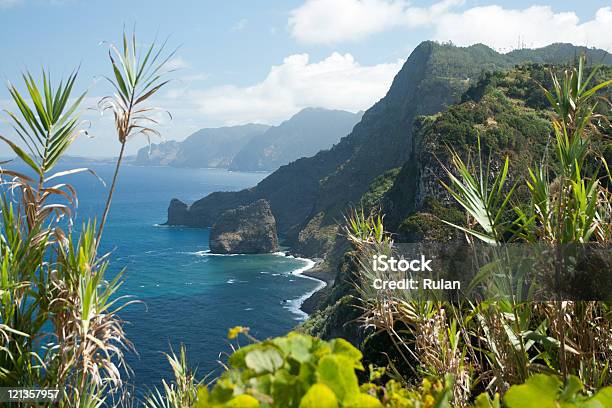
(47, 125)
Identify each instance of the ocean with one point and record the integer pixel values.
(189, 296)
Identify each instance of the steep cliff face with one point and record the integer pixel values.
(249, 229)
(178, 213)
(317, 190)
(510, 115)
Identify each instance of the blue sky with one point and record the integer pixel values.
(262, 61)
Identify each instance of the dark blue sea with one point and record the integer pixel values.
(188, 295)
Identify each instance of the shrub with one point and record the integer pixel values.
(292, 371)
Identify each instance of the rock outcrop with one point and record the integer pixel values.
(178, 213)
(249, 229)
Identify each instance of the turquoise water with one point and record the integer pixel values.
(189, 296)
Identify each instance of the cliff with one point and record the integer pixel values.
(249, 229)
(253, 147)
(444, 96)
(509, 114)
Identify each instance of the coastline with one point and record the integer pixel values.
(301, 306)
(312, 303)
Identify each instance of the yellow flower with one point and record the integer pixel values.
(235, 331)
(426, 385)
(429, 401)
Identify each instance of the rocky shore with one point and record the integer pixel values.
(311, 304)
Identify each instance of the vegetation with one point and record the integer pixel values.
(378, 187)
(136, 78)
(503, 340)
(306, 372)
(59, 322)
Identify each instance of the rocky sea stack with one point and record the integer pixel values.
(178, 213)
(249, 229)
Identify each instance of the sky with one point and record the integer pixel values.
(262, 61)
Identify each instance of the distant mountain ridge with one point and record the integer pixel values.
(206, 148)
(254, 147)
(304, 135)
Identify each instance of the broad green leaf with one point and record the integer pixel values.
(602, 399)
(362, 401)
(202, 398)
(483, 401)
(539, 391)
(338, 373)
(222, 392)
(286, 389)
(296, 346)
(236, 360)
(319, 396)
(573, 386)
(242, 401)
(343, 347)
(263, 360)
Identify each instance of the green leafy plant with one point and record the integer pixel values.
(363, 230)
(568, 205)
(291, 371)
(58, 313)
(59, 323)
(485, 203)
(542, 391)
(182, 392)
(502, 340)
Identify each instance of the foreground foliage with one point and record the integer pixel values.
(59, 322)
(305, 372)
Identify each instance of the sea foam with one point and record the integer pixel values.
(295, 305)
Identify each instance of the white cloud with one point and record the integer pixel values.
(334, 21)
(337, 82)
(535, 26)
